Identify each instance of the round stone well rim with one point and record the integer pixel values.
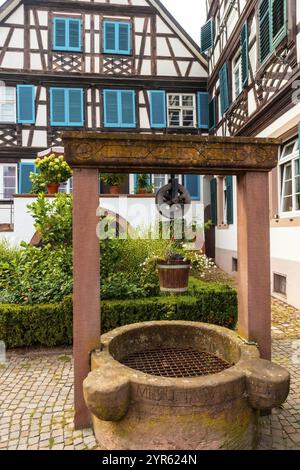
(103, 357)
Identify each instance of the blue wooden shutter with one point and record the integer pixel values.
(26, 108)
(127, 108)
(203, 110)
(207, 35)
(110, 102)
(278, 21)
(245, 54)
(213, 201)
(75, 107)
(25, 168)
(109, 36)
(192, 184)
(60, 34)
(157, 100)
(264, 15)
(212, 113)
(229, 195)
(74, 34)
(224, 90)
(58, 107)
(124, 38)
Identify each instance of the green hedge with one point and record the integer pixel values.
(51, 325)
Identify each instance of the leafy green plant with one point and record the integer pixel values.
(53, 218)
(36, 275)
(38, 184)
(112, 179)
(121, 287)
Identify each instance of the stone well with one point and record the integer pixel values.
(180, 385)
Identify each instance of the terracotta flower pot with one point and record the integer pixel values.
(142, 191)
(174, 276)
(114, 189)
(52, 188)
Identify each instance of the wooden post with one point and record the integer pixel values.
(86, 296)
(254, 319)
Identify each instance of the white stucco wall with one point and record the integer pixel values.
(140, 212)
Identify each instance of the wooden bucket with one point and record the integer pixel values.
(174, 276)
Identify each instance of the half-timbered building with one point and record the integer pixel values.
(253, 50)
(102, 65)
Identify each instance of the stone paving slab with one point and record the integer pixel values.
(36, 395)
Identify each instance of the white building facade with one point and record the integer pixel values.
(253, 50)
(117, 65)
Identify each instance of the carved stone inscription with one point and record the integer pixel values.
(182, 154)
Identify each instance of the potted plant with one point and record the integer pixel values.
(143, 186)
(174, 271)
(54, 170)
(113, 180)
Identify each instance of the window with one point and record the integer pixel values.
(66, 187)
(116, 37)
(279, 284)
(67, 34)
(66, 107)
(119, 108)
(8, 181)
(181, 110)
(237, 76)
(157, 180)
(289, 178)
(234, 268)
(272, 17)
(7, 104)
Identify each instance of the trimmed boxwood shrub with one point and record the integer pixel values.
(51, 325)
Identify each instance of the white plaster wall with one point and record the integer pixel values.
(140, 213)
(285, 244)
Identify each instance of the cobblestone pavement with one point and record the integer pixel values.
(281, 430)
(36, 403)
(36, 395)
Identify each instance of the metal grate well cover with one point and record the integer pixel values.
(173, 362)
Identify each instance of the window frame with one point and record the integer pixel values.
(182, 108)
(13, 104)
(67, 48)
(237, 66)
(291, 157)
(2, 186)
(117, 38)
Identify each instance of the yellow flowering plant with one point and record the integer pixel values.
(53, 169)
